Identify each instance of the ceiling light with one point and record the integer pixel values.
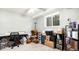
(31, 10)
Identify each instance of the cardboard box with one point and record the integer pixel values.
(47, 38)
(36, 41)
(49, 43)
(28, 41)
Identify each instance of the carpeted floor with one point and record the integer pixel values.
(31, 47)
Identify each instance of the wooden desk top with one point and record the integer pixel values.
(58, 33)
(8, 34)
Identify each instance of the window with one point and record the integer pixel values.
(49, 21)
(56, 21)
(52, 20)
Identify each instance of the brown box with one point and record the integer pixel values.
(47, 38)
(29, 41)
(49, 43)
(36, 41)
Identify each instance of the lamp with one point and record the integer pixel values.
(35, 25)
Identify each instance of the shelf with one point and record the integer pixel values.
(59, 46)
(72, 49)
(75, 39)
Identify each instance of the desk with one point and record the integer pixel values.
(8, 35)
(10, 43)
(4, 36)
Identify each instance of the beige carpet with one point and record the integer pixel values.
(31, 47)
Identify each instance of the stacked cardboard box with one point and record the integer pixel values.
(49, 43)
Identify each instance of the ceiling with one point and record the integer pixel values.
(32, 12)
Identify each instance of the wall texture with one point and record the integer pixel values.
(64, 15)
(11, 22)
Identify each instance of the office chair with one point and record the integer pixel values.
(14, 40)
(51, 34)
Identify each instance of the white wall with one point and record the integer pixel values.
(69, 13)
(64, 15)
(10, 22)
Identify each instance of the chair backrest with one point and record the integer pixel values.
(14, 35)
(49, 33)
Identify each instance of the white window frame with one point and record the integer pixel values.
(51, 15)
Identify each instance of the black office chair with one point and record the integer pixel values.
(51, 34)
(14, 39)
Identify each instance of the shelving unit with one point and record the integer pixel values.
(78, 38)
(59, 43)
(72, 40)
